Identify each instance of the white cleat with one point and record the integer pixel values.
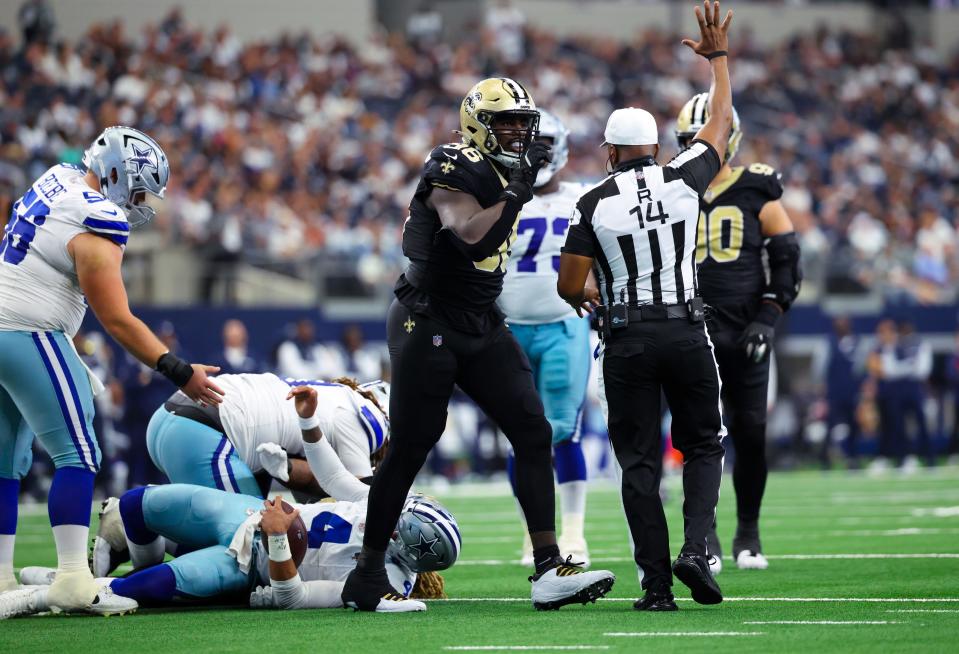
(567, 583)
(8, 582)
(14, 603)
(715, 564)
(107, 603)
(747, 560)
(575, 548)
(110, 545)
(72, 591)
(399, 604)
(37, 576)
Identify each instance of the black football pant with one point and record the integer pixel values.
(639, 363)
(745, 391)
(427, 359)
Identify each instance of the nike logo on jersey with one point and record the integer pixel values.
(110, 211)
(452, 157)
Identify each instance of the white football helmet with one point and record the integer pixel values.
(552, 127)
(128, 162)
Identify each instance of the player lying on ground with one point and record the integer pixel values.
(61, 251)
(740, 218)
(229, 559)
(254, 436)
(553, 337)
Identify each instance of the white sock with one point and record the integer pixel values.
(572, 496)
(72, 547)
(6, 556)
(149, 554)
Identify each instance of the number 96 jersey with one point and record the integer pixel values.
(729, 248)
(529, 292)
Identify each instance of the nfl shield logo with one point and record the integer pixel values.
(437, 340)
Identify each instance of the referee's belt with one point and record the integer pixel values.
(658, 312)
(209, 415)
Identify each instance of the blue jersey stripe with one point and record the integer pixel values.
(375, 424)
(76, 398)
(97, 224)
(214, 464)
(61, 400)
(229, 468)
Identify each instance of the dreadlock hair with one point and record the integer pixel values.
(376, 458)
(429, 585)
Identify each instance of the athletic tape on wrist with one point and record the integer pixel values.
(307, 424)
(717, 53)
(279, 546)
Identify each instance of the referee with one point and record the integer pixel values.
(638, 229)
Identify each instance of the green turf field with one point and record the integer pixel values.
(857, 564)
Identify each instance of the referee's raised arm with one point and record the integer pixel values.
(713, 45)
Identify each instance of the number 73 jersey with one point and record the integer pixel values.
(529, 291)
(729, 243)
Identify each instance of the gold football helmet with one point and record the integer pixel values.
(488, 99)
(694, 115)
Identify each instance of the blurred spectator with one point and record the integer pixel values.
(236, 358)
(882, 367)
(36, 21)
(952, 379)
(355, 360)
(842, 374)
(302, 357)
(913, 367)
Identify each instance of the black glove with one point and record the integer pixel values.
(521, 179)
(757, 338)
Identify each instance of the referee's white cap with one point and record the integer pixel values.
(631, 126)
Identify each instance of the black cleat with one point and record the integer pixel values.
(364, 589)
(661, 600)
(694, 572)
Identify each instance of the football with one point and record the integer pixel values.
(296, 534)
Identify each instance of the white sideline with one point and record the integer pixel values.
(922, 610)
(881, 600)
(823, 622)
(683, 634)
(785, 557)
(499, 648)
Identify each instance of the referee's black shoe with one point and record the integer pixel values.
(693, 570)
(656, 599)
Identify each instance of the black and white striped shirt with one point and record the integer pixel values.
(639, 226)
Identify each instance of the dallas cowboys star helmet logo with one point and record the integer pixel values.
(424, 547)
(145, 158)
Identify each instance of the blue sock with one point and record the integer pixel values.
(71, 496)
(9, 499)
(155, 585)
(134, 524)
(569, 461)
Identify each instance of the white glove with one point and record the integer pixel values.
(262, 597)
(273, 460)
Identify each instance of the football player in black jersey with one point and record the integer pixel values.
(444, 328)
(740, 216)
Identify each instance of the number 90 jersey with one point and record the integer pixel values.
(529, 293)
(39, 290)
(729, 244)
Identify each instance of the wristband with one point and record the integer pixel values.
(306, 424)
(717, 53)
(279, 546)
(174, 368)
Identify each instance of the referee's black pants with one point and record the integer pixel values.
(639, 362)
(427, 359)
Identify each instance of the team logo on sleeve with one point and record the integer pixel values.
(447, 167)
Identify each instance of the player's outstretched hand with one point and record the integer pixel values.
(201, 388)
(275, 520)
(712, 33)
(305, 400)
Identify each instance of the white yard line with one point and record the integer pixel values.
(682, 634)
(823, 622)
(785, 557)
(503, 648)
(922, 610)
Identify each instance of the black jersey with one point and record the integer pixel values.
(441, 281)
(730, 241)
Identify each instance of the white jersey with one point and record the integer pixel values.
(529, 290)
(255, 411)
(335, 536)
(39, 290)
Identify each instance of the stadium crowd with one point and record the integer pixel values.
(285, 149)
